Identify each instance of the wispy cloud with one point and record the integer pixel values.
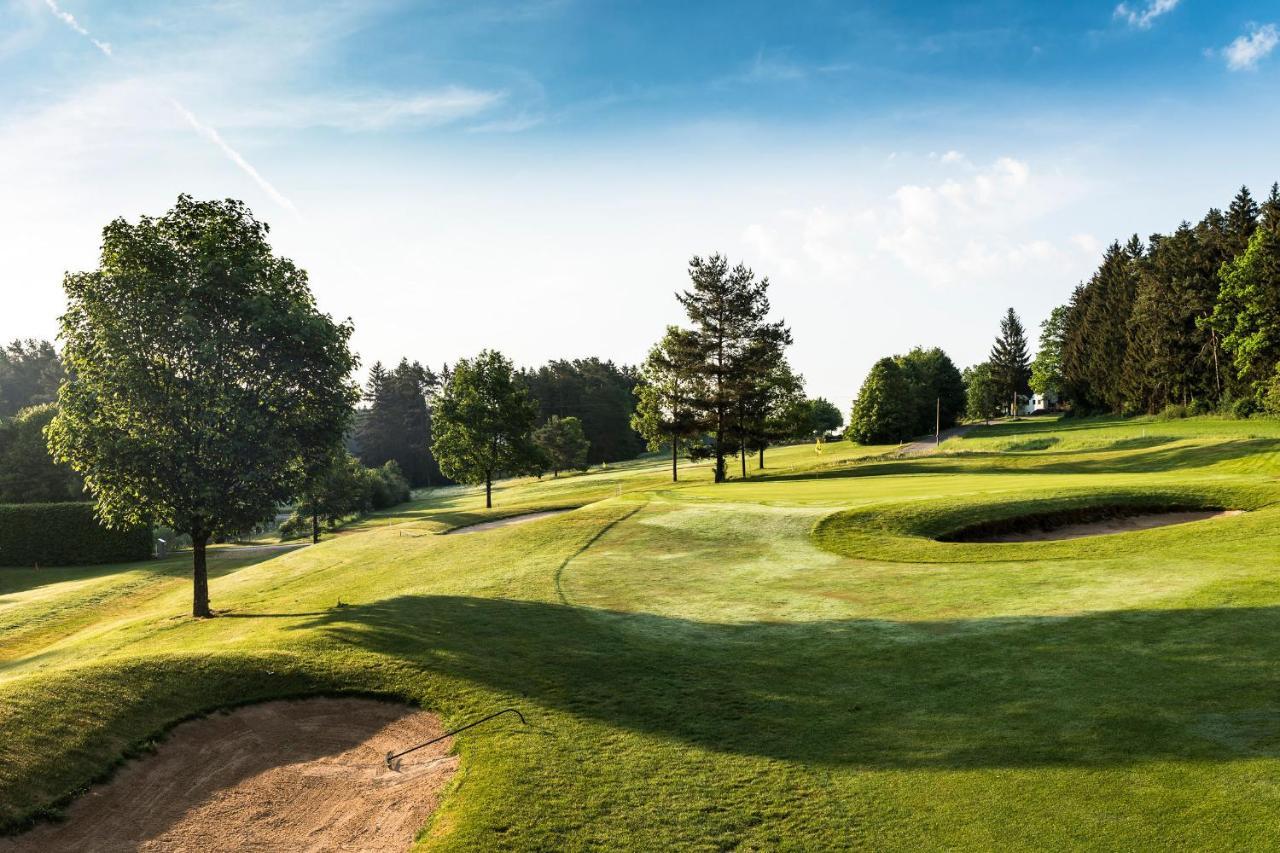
(207, 131)
(70, 20)
(372, 112)
(1247, 51)
(1144, 16)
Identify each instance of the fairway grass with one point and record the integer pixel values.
(791, 660)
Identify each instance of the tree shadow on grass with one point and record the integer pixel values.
(1102, 689)
(1153, 460)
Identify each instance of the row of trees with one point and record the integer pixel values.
(1191, 317)
(726, 376)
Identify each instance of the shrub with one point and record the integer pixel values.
(1198, 407)
(65, 534)
(1172, 412)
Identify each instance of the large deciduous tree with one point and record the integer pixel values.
(483, 421)
(935, 389)
(983, 395)
(882, 413)
(823, 417)
(200, 375)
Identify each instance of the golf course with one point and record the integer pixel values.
(798, 659)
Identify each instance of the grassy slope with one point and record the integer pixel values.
(703, 671)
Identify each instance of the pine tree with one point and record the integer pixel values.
(1010, 362)
(727, 308)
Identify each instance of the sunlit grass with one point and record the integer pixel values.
(789, 661)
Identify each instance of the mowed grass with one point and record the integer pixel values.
(785, 661)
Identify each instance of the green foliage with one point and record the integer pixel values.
(882, 413)
(984, 399)
(397, 424)
(483, 420)
(1009, 361)
(201, 375)
(563, 444)
(30, 372)
(1046, 368)
(600, 394)
(28, 473)
(343, 489)
(935, 389)
(1247, 314)
(823, 418)
(668, 393)
(65, 534)
(737, 346)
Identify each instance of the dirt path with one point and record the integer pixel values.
(300, 775)
(927, 445)
(506, 522)
(1114, 525)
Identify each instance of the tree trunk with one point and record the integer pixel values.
(742, 452)
(761, 461)
(315, 527)
(200, 576)
(488, 491)
(675, 452)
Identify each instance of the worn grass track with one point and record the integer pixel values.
(789, 661)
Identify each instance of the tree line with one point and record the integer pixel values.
(1189, 319)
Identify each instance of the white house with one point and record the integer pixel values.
(1038, 402)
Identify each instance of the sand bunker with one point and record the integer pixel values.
(506, 522)
(299, 775)
(1125, 524)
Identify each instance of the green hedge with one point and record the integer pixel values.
(65, 534)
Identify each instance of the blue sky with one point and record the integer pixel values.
(533, 176)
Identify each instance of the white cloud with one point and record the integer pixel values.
(1144, 17)
(369, 111)
(975, 232)
(954, 157)
(1247, 51)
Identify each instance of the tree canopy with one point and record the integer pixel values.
(397, 424)
(483, 421)
(30, 372)
(563, 444)
(668, 394)
(737, 345)
(200, 373)
(882, 412)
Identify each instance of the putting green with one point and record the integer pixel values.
(791, 660)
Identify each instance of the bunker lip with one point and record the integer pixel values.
(304, 774)
(1083, 522)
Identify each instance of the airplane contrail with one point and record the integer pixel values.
(206, 130)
